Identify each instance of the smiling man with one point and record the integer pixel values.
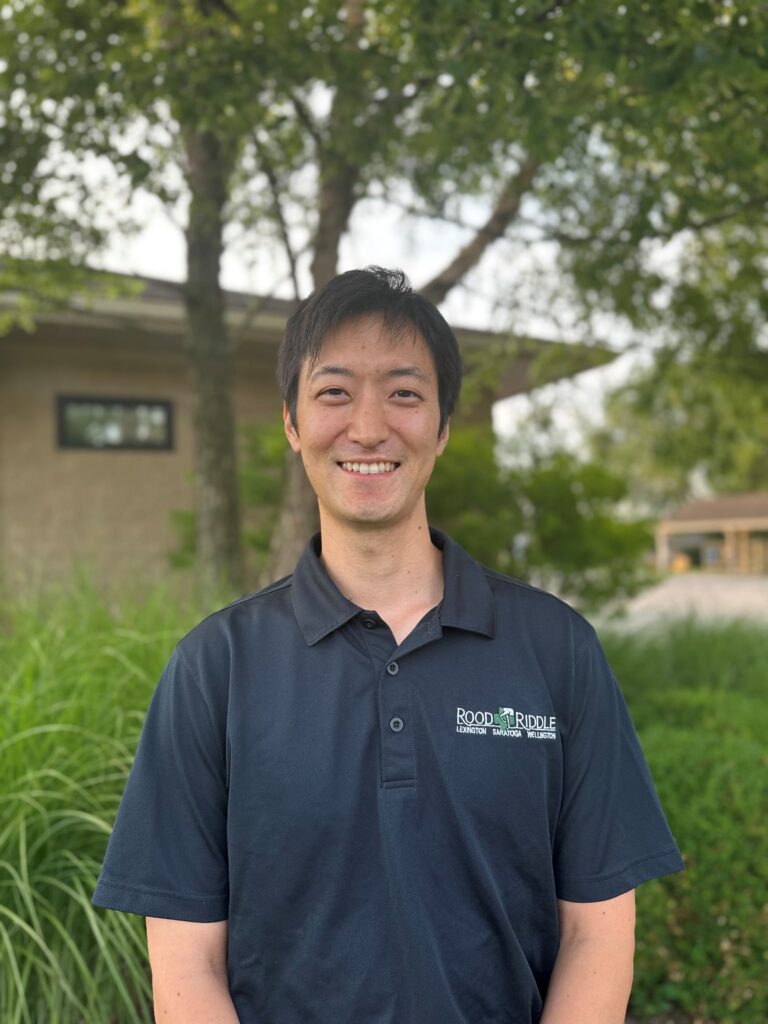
(395, 787)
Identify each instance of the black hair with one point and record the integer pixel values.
(359, 293)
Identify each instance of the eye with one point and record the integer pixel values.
(332, 393)
(406, 393)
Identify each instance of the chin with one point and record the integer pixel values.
(364, 517)
(371, 519)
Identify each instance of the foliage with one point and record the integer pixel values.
(677, 242)
(407, 97)
(262, 479)
(579, 543)
(552, 521)
(76, 676)
(698, 700)
(184, 523)
(469, 498)
(31, 287)
(634, 123)
(686, 416)
(684, 163)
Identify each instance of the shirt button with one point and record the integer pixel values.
(396, 724)
(369, 623)
(393, 668)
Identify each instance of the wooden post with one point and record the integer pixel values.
(729, 549)
(662, 548)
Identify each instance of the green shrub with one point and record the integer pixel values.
(698, 698)
(552, 520)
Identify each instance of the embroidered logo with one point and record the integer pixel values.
(507, 722)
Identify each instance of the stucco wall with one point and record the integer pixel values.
(107, 511)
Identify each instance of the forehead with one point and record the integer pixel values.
(370, 345)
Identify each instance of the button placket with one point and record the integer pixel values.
(398, 752)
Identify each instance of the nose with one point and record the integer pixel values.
(368, 425)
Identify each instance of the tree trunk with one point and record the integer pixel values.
(335, 203)
(219, 552)
(298, 521)
(298, 511)
(338, 177)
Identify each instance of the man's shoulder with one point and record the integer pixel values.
(535, 607)
(242, 620)
(257, 599)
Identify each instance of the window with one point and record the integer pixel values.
(134, 423)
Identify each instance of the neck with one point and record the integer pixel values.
(396, 571)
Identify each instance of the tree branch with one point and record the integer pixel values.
(502, 215)
(208, 7)
(695, 226)
(354, 15)
(720, 218)
(306, 118)
(558, 5)
(275, 191)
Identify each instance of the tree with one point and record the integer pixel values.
(149, 89)
(677, 246)
(552, 519)
(232, 97)
(283, 120)
(682, 423)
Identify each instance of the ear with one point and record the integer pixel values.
(442, 438)
(290, 430)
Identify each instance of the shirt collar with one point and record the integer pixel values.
(320, 607)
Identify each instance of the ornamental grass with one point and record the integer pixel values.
(75, 675)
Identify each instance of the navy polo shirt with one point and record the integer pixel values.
(386, 828)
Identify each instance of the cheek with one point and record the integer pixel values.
(420, 434)
(321, 431)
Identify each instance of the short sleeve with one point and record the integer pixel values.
(167, 855)
(611, 833)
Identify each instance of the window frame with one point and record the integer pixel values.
(62, 400)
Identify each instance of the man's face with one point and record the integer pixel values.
(367, 418)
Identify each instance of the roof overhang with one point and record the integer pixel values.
(150, 306)
(670, 526)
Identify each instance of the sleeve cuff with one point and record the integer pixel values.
(605, 887)
(149, 903)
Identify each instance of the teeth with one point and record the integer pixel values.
(367, 468)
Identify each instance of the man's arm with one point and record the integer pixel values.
(189, 972)
(592, 977)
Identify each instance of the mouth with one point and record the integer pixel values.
(369, 468)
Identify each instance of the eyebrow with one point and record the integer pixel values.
(344, 371)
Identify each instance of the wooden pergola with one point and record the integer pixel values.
(725, 534)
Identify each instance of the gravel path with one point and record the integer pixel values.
(705, 595)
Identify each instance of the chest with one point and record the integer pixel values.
(334, 730)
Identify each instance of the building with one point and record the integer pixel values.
(95, 425)
(727, 534)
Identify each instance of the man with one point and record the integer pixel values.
(395, 787)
